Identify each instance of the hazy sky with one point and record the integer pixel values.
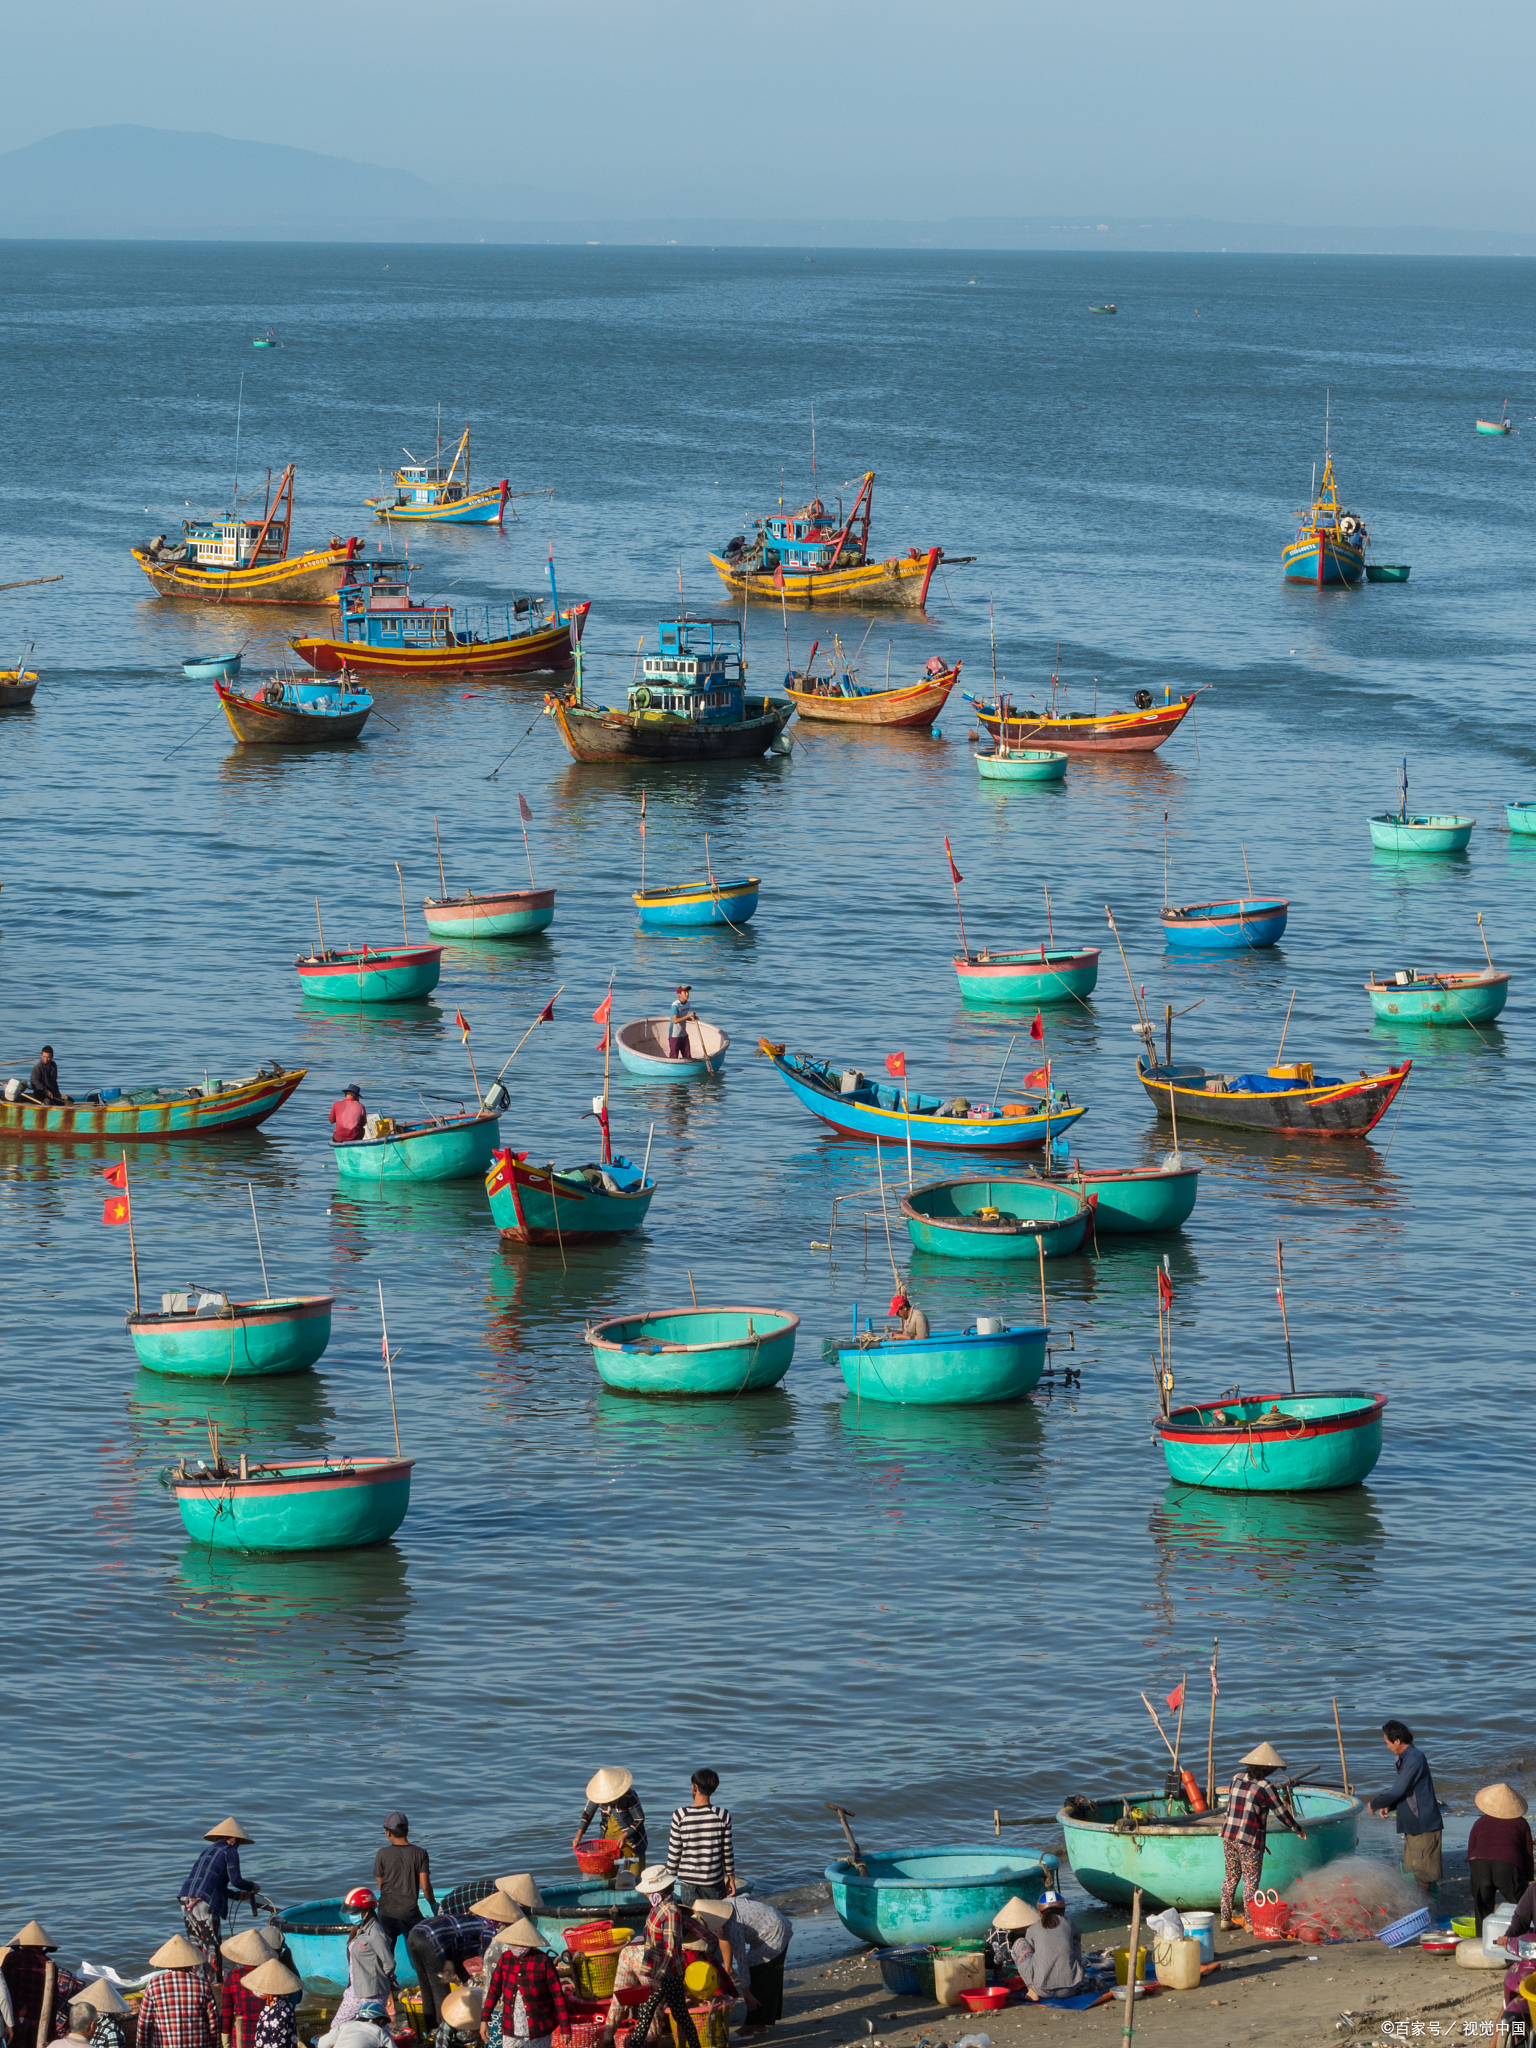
(1309, 112)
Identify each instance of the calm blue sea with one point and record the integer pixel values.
(922, 1616)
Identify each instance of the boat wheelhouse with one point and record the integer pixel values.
(385, 631)
(425, 490)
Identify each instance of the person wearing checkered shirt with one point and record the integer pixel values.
(1250, 1802)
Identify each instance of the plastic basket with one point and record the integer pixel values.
(592, 1934)
(899, 1969)
(1409, 1928)
(598, 1858)
(1268, 1914)
(581, 2034)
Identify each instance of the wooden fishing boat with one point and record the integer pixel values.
(425, 490)
(502, 914)
(267, 340)
(694, 1350)
(1434, 832)
(296, 1504)
(1129, 1200)
(199, 1335)
(934, 1895)
(1274, 1443)
(691, 705)
(690, 903)
(369, 974)
(1111, 308)
(576, 1205)
(642, 1046)
(855, 1107)
(1021, 764)
(434, 1148)
(1232, 926)
(1138, 731)
(212, 668)
(809, 557)
(234, 560)
(18, 686)
(1387, 572)
(949, 1369)
(999, 1222)
(285, 712)
(1408, 997)
(1520, 817)
(384, 631)
(1292, 1101)
(118, 1113)
(840, 700)
(1175, 1859)
(1330, 543)
(1502, 425)
(1049, 974)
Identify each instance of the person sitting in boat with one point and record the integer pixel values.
(43, 1081)
(677, 1023)
(913, 1322)
(348, 1116)
(1250, 1802)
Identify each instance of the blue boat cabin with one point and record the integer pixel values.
(698, 674)
(377, 610)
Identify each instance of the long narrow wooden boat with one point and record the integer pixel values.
(287, 713)
(1435, 832)
(296, 1504)
(234, 560)
(427, 491)
(684, 1351)
(576, 1205)
(1409, 997)
(1175, 1860)
(691, 903)
(209, 1337)
(949, 1369)
(370, 974)
(1087, 732)
(435, 1148)
(997, 1222)
(809, 557)
(691, 703)
(927, 1896)
(499, 914)
(1049, 974)
(858, 1108)
(834, 700)
(1021, 764)
(151, 1112)
(1131, 1199)
(18, 686)
(1234, 926)
(1330, 543)
(1274, 1443)
(385, 632)
(642, 1046)
(1291, 1101)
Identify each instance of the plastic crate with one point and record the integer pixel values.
(899, 1969)
(1409, 1928)
(592, 1934)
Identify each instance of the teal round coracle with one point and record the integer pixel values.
(927, 1895)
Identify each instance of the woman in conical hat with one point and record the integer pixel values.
(1250, 1802)
(180, 2006)
(31, 1984)
(1499, 1850)
(279, 1991)
(111, 2008)
(524, 1972)
(239, 2009)
(611, 1793)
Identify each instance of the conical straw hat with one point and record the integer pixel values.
(250, 1949)
(104, 1996)
(1266, 1753)
(1017, 1913)
(272, 1980)
(175, 1954)
(228, 1830)
(1500, 1802)
(523, 1934)
(32, 1936)
(520, 1886)
(609, 1784)
(463, 2008)
(496, 1906)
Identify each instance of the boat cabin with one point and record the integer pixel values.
(428, 483)
(232, 543)
(377, 610)
(699, 672)
(811, 537)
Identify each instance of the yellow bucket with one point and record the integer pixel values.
(1123, 1964)
(701, 1980)
(1527, 1992)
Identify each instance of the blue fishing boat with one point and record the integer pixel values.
(211, 668)
(935, 1895)
(1330, 543)
(1520, 817)
(856, 1107)
(427, 491)
(694, 1350)
(1274, 1443)
(692, 903)
(997, 1222)
(1231, 926)
(642, 1046)
(949, 1368)
(431, 1148)
(691, 704)
(369, 974)
(384, 631)
(577, 1205)
(1408, 997)
(203, 1335)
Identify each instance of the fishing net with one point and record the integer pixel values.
(1350, 1900)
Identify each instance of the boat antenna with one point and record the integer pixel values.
(813, 447)
(438, 841)
(992, 635)
(1280, 1295)
(239, 408)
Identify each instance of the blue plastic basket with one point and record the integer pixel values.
(899, 1967)
(1407, 1929)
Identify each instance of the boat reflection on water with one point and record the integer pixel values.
(291, 1415)
(706, 1427)
(532, 1301)
(390, 1209)
(997, 1437)
(357, 1603)
(1292, 1547)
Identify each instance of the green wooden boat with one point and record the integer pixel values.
(439, 1148)
(996, 1221)
(1520, 817)
(1434, 832)
(1132, 1199)
(694, 1350)
(1275, 1443)
(1174, 1860)
(208, 1336)
(1409, 997)
(1021, 764)
(1022, 980)
(1386, 572)
(961, 1368)
(299, 1504)
(369, 974)
(935, 1895)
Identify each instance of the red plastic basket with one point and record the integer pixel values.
(1268, 1914)
(598, 1858)
(592, 1935)
(581, 2034)
(632, 1994)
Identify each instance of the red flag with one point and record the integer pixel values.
(1040, 1078)
(954, 871)
(115, 1209)
(778, 577)
(1176, 1697)
(896, 1064)
(522, 809)
(384, 1347)
(547, 1014)
(118, 1175)
(1037, 1028)
(1164, 1289)
(602, 1043)
(604, 1010)
(462, 1021)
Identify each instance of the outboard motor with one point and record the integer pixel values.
(1143, 700)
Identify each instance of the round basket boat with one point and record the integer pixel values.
(695, 1350)
(929, 1895)
(1176, 1861)
(997, 1221)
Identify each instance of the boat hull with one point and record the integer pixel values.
(1340, 1109)
(725, 1351)
(944, 1218)
(1028, 764)
(1230, 927)
(900, 583)
(853, 1119)
(917, 705)
(1120, 732)
(933, 1895)
(315, 1506)
(480, 508)
(548, 651)
(505, 914)
(952, 1369)
(177, 1116)
(534, 1205)
(15, 696)
(381, 977)
(1386, 572)
(1184, 1866)
(312, 578)
(705, 903)
(595, 736)
(1017, 980)
(256, 724)
(457, 1150)
(1447, 834)
(1445, 999)
(1324, 1442)
(1520, 817)
(317, 1935)
(260, 1340)
(1322, 559)
(1494, 427)
(642, 1048)
(1138, 1199)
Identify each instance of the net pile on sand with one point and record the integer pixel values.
(1350, 1900)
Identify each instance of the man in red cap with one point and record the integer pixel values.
(913, 1322)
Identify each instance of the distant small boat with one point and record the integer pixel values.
(427, 491)
(1274, 1443)
(1520, 817)
(494, 914)
(839, 699)
(18, 686)
(687, 903)
(287, 712)
(297, 1504)
(1111, 308)
(997, 1221)
(267, 340)
(1049, 974)
(1409, 997)
(1231, 926)
(574, 1205)
(1021, 764)
(681, 1351)
(203, 1335)
(642, 1046)
(1430, 832)
(1502, 425)
(211, 668)
(434, 1148)
(370, 974)
(1386, 572)
(951, 1368)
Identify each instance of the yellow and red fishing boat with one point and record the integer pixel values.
(841, 699)
(385, 632)
(235, 560)
(425, 490)
(809, 557)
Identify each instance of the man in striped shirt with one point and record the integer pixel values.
(699, 1852)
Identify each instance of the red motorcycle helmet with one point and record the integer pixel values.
(362, 1900)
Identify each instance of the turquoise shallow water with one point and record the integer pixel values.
(922, 1616)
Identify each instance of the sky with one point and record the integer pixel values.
(1310, 113)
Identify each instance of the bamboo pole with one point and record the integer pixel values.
(319, 927)
(1045, 1314)
(1050, 927)
(1246, 875)
(1156, 1723)
(1210, 1741)
(1280, 1292)
(438, 841)
(1343, 1766)
(404, 926)
(389, 1370)
(1135, 998)
(1178, 1733)
(1288, 1009)
(255, 1224)
(512, 1055)
(1131, 1986)
(1484, 937)
(965, 944)
(133, 1250)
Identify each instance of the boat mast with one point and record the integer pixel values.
(239, 408)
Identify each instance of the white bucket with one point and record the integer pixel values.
(1203, 1927)
(1495, 1927)
(989, 1326)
